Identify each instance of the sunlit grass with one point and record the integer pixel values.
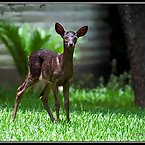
(98, 114)
(99, 125)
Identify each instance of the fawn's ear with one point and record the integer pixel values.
(59, 29)
(82, 31)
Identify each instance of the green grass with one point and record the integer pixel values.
(99, 114)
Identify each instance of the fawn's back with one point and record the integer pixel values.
(46, 64)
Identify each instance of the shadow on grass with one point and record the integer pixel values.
(30, 101)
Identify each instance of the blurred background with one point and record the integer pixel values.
(99, 53)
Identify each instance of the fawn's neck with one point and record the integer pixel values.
(67, 63)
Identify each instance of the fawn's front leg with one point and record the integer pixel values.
(66, 99)
(57, 105)
(43, 96)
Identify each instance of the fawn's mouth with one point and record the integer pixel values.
(72, 45)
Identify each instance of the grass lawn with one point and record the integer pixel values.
(100, 114)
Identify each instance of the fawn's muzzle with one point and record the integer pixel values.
(70, 44)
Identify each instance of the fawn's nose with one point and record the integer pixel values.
(71, 44)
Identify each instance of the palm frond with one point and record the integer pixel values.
(9, 35)
(36, 41)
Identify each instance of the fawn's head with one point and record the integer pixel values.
(70, 37)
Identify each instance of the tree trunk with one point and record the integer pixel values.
(133, 22)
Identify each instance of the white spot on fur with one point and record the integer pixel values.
(60, 88)
(40, 78)
(57, 60)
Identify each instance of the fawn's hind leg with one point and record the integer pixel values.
(20, 91)
(44, 99)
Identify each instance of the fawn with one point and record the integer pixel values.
(55, 69)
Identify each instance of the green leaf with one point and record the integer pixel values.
(12, 40)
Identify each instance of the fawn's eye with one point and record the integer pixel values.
(75, 39)
(65, 37)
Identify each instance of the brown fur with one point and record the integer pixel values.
(55, 69)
